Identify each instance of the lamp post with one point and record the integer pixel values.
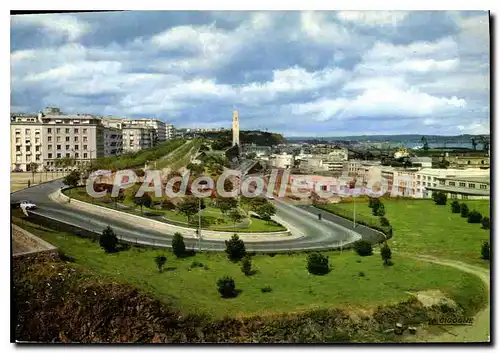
(199, 223)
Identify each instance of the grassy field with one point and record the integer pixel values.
(249, 225)
(293, 288)
(181, 157)
(421, 227)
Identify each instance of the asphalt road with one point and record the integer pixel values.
(315, 234)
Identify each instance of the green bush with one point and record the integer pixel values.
(485, 251)
(363, 248)
(108, 240)
(317, 264)
(266, 289)
(464, 210)
(226, 287)
(485, 223)
(246, 266)
(439, 198)
(474, 217)
(455, 207)
(384, 222)
(178, 246)
(386, 254)
(160, 261)
(235, 248)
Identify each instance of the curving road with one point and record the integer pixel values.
(313, 234)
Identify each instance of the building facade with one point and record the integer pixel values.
(136, 138)
(113, 142)
(26, 142)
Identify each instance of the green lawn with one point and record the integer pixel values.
(256, 225)
(293, 288)
(421, 227)
(181, 157)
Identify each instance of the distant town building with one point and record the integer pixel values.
(283, 160)
(136, 138)
(236, 129)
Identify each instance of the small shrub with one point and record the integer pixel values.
(485, 223)
(196, 264)
(317, 264)
(226, 287)
(271, 254)
(160, 261)
(266, 289)
(455, 207)
(358, 261)
(108, 240)
(485, 251)
(384, 222)
(464, 210)
(361, 274)
(439, 198)
(474, 217)
(246, 266)
(178, 246)
(386, 254)
(235, 248)
(363, 248)
(205, 267)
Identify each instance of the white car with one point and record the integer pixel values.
(27, 205)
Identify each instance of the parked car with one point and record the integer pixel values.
(17, 170)
(28, 205)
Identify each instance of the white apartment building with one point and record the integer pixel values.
(26, 142)
(75, 136)
(138, 137)
(283, 160)
(169, 131)
(157, 125)
(462, 187)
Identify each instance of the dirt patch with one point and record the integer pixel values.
(432, 297)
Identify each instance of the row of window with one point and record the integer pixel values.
(58, 130)
(26, 131)
(58, 139)
(59, 155)
(470, 185)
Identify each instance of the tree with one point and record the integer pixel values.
(215, 169)
(118, 198)
(246, 266)
(474, 217)
(235, 248)
(464, 210)
(33, 167)
(235, 217)
(72, 179)
(384, 222)
(144, 200)
(178, 246)
(226, 287)
(485, 251)
(140, 172)
(256, 202)
(317, 264)
(189, 206)
(439, 197)
(363, 248)
(386, 254)
(266, 211)
(455, 206)
(195, 169)
(108, 240)
(380, 210)
(160, 261)
(485, 223)
(226, 203)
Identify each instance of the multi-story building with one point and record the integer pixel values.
(462, 187)
(136, 138)
(157, 125)
(26, 142)
(80, 137)
(113, 141)
(114, 122)
(169, 131)
(283, 160)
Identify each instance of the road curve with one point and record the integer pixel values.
(315, 234)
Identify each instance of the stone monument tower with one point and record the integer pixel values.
(236, 129)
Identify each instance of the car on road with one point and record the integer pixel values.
(270, 197)
(28, 205)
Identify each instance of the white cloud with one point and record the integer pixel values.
(60, 24)
(316, 27)
(372, 18)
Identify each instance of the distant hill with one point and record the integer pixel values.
(395, 138)
(260, 138)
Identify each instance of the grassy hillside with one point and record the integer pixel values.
(421, 227)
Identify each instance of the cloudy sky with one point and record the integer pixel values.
(298, 73)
